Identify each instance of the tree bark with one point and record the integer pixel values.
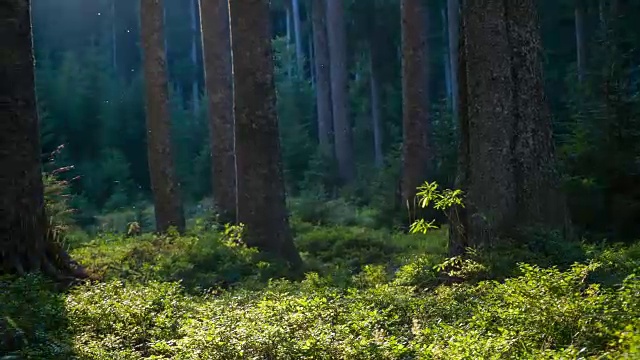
(453, 25)
(25, 243)
(446, 64)
(507, 161)
(216, 36)
(323, 76)
(261, 191)
(376, 111)
(336, 31)
(195, 91)
(295, 9)
(581, 47)
(415, 101)
(164, 184)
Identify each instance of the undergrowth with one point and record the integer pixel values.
(366, 294)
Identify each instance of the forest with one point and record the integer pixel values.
(319, 179)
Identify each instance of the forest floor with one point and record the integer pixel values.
(365, 294)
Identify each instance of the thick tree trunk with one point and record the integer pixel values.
(25, 244)
(164, 184)
(336, 31)
(539, 198)
(507, 162)
(295, 10)
(581, 46)
(453, 25)
(376, 111)
(415, 101)
(216, 38)
(323, 76)
(261, 191)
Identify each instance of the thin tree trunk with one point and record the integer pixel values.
(261, 191)
(581, 46)
(446, 64)
(453, 24)
(25, 244)
(415, 101)
(165, 186)
(195, 92)
(295, 7)
(376, 115)
(376, 111)
(312, 72)
(114, 41)
(323, 76)
(216, 37)
(287, 8)
(336, 31)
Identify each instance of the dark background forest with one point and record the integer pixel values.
(90, 94)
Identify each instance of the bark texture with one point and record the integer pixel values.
(323, 76)
(343, 139)
(164, 184)
(25, 243)
(216, 38)
(261, 191)
(506, 155)
(415, 101)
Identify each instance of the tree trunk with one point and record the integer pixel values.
(287, 8)
(114, 39)
(415, 101)
(446, 64)
(164, 184)
(507, 160)
(195, 92)
(261, 191)
(376, 111)
(581, 46)
(540, 200)
(216, 38)
(323, 76)
(336, 31)
(453, 24)
(295, 9)
(25, 244)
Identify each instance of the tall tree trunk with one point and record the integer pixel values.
(164, 184)
(295, 9)
(25, 244)
(114, 39)
(216, 38)
(510, 179)
(287, 8)
(446, 64)
(376, 111)
(415, 101)
(261, 191)
(453, 25)
(195, 92)
(336, 31)
(323, 76)
(581, 46)
(312, 69)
